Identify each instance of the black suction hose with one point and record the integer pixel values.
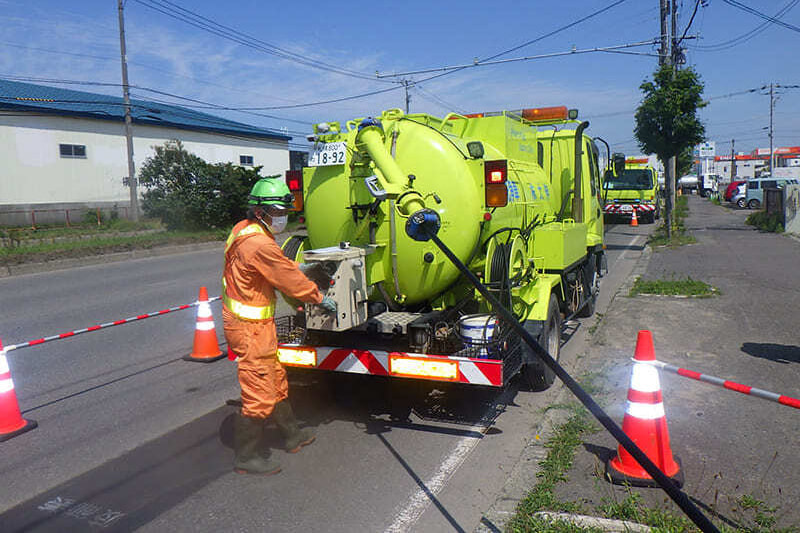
(664, 482)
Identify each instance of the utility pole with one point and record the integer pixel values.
(126, 98)
(733, 161)
(662, 54)
(408, 96)
(771, 109)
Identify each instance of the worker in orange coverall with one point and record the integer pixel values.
(255, 267)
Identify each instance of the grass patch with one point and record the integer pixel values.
(28, 245)
(752, 514)
(679, 237)
(78, 244)
(771, 222)
(680, 287)
(20, 235)
(560, 454)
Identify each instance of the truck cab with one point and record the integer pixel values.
(634, 189)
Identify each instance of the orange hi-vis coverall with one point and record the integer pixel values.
(254, 267)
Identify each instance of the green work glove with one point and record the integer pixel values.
(328, 304)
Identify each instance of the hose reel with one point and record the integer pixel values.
(506, 263)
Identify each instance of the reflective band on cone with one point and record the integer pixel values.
(206, 347)
(11, 421)
(645, 423)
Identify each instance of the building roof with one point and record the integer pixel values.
(66, 102)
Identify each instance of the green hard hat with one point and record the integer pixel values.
(271, 191)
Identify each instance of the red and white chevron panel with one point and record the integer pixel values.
(466, 370)
(627, 209)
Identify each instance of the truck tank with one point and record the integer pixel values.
(514, 195)
(444, 163)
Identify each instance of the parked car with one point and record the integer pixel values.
(740, 196)
(730, 191)
(755, 189)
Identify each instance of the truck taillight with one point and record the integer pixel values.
(294, 180)
(495, 174)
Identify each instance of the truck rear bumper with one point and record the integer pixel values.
(471, 371)
(627, 209)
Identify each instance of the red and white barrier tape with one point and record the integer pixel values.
(106, 325)
(730, 385)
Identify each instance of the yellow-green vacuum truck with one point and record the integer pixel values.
(515, 195)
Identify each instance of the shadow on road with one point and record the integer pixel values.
(637, 247)
(322, 398)
(133, 489)
(780, 353)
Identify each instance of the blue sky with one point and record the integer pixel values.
(734, 52)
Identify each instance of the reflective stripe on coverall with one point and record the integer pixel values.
(255, 267)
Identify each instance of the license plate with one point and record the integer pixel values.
(626, 208)
(327, 154)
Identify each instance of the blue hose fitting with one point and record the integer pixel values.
(421, 225)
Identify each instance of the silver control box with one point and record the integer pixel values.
(348, 288)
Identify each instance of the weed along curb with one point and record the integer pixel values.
(61, 264)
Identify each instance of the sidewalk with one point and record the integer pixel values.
(731, 445)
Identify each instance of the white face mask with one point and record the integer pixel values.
(278, 224)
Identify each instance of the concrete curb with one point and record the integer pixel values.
(605, 524)
(62, 264)
(523, 475)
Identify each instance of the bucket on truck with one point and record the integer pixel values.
(477, 332)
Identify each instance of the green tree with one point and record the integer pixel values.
(666, 121)
(185, 192)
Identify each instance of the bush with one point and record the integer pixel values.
(772, 222)
(187, 193)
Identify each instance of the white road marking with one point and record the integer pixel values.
(420, 500)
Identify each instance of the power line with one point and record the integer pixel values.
(198, 21)
(691, 20)
(759, 14)
(532, 41)
(748, 35)
(205, 105)
(485, 63)
(143, 65)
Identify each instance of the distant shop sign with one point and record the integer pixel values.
(706, 149)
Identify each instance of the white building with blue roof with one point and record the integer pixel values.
(63, 152)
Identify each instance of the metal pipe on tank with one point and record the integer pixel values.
(370, 137)
(577, 198)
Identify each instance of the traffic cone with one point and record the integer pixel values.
(206, 348)
(634, 219)
(645, 424)
(11, 421)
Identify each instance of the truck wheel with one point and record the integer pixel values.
(538, 376)
(292, 246)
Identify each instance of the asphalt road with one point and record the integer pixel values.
(131, 437)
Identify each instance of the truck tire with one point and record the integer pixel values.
(753, 204)
(537, 375)
(292, 246)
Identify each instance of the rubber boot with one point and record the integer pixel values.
(295, 437)
(250, 455)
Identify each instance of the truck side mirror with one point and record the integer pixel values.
(619, 163)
